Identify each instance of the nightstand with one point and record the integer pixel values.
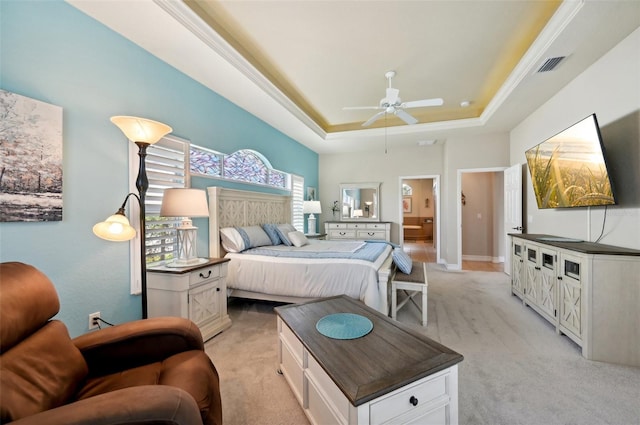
(320, 236)
(195, 292)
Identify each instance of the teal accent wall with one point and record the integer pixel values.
(54, 53)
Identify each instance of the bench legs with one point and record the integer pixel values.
(411, 289)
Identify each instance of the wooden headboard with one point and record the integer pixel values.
(229, 208)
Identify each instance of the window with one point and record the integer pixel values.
(297, 197)
(166, 168)
(245, 165)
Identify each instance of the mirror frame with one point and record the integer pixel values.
(374, 213)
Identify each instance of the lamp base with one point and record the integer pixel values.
(186, 263)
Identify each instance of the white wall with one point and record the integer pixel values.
(611, 89)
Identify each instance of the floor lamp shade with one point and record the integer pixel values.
(141, 129)
(185, 203)
(116, 228)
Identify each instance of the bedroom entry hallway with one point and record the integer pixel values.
(425, 252)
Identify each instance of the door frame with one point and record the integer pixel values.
(461, 171)
(437, 200)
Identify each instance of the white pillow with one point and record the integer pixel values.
(298, 239)
(254, 236)
(238, 239)
(283, 231)
(231, 239)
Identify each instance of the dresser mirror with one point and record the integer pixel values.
(359, 201)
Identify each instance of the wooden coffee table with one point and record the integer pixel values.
(393, 374)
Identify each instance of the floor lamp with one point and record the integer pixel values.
(143, 133)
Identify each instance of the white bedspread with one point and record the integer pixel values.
(302, 277)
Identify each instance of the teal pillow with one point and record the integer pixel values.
(272, 232)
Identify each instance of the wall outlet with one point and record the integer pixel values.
(93, 320)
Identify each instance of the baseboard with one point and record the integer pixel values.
(485, 258)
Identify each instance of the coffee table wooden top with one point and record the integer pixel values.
(389, 357)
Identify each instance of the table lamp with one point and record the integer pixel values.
(311, 208)
(186, 203)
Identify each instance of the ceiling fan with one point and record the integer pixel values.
(392, 104)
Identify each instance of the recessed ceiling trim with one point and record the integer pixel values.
(563, 16)
(408, 129)
(190, 20)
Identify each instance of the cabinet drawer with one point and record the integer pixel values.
(204, 274)
(401, 402)
(342, 234)
(292, 370)
(357, 225)
(332, 396)
(371, 234)
(376, 226)
(294, 344)
(337, 226)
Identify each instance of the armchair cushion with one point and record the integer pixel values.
(35, 377)
(143, 405)
(137, 343)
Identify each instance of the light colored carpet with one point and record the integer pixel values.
(516, 369)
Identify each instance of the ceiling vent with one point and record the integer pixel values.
(550, 64)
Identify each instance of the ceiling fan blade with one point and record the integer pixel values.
(421, 103)
(405, 117)
(373, 118)
(350, 108)
(392, 95)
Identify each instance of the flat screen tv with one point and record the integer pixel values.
(569, 169)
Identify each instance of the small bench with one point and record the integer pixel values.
(412, 284)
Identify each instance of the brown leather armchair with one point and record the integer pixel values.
(152, 371)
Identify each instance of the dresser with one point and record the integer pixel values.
(587, 291)
(360, 230)
(391, 375)
(196, 292)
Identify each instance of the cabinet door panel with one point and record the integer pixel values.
(204, 303)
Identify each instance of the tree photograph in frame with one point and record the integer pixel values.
(30, 159)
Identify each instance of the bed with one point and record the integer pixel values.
(292, 279)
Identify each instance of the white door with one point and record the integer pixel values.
(512, 207)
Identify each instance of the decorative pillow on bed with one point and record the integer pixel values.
(298, 238)
(283, 232)
(231, 239)
(402, 260)
(253, 236)
(237, 239)
(272, 231)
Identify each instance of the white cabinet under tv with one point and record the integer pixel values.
(590, 292)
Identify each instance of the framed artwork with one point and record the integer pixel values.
(31, 152)
(406, 205)
(311, 194)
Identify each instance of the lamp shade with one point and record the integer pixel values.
(357, 213)
(141, 129)
(116, 228)
(311, 207)
(184, 203)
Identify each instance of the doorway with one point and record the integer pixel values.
(419, 212)
(481, 244)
